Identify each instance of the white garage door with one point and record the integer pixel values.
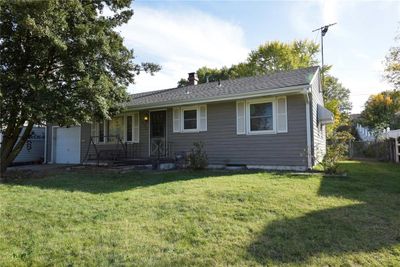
(67, 145)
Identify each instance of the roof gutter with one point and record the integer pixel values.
(299, 89)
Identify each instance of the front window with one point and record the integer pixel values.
(190, 119)
(261, 117)
(111, 130)
(129, 128)
(101, 131)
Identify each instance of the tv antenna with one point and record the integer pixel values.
(324, 30)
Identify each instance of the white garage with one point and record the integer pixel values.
(66, 145)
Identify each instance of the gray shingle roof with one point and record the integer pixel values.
(228, 88)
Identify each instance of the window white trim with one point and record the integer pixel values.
(243, 116)
(178, 119)
(136, 127)
(188, 108)
(135, 138)
(261, 101)
(105, 131)
(126, 127)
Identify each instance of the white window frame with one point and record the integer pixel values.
(188, 108)
(105, 133)
(261, 101)
(126, 128)
(133, 141)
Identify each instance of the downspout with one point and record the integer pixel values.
(308, 126)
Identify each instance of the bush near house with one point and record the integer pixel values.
(198, 159)
(336, 150)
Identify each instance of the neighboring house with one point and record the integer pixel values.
(274, 121)
(33, 149)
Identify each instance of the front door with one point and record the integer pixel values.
(158, 131)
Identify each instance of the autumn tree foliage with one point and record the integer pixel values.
(382, 110)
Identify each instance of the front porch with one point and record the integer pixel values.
(114, 151)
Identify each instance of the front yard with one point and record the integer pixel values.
(203, 218)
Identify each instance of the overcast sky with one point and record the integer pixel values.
(182, 36)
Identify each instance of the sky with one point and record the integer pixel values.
(183, 36)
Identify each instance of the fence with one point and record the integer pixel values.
(382, 150)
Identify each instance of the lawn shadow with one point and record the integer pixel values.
(98, 181)
(369, 226)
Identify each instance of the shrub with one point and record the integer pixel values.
(335, 151)
(198, 157)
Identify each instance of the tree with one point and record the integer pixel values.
(267, 58)
(337, 100)
(334, 90)
(61, 62)
(381, 110)
(275, 56)
(392, 65)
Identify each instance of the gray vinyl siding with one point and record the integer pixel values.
(318, 131)
(224, 146)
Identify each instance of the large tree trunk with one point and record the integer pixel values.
(11, 146)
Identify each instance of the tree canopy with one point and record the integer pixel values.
(61, 62)
(267, 58)
(382, 110)
(275, 56)
(392, 64)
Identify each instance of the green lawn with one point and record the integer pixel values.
(203, 218)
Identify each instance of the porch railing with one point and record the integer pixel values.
(115, 150)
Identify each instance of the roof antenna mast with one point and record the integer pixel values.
(324, 30)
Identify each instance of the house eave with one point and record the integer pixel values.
(298, 89)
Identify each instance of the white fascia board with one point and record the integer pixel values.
(278, 91)
(316, 74)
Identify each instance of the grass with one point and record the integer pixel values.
(203, 218)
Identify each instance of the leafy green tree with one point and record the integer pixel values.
(275, 56)
(392, 64)
(337, 100)
(382, 110)
(61, 62)
(334, 90)
(267, 58)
